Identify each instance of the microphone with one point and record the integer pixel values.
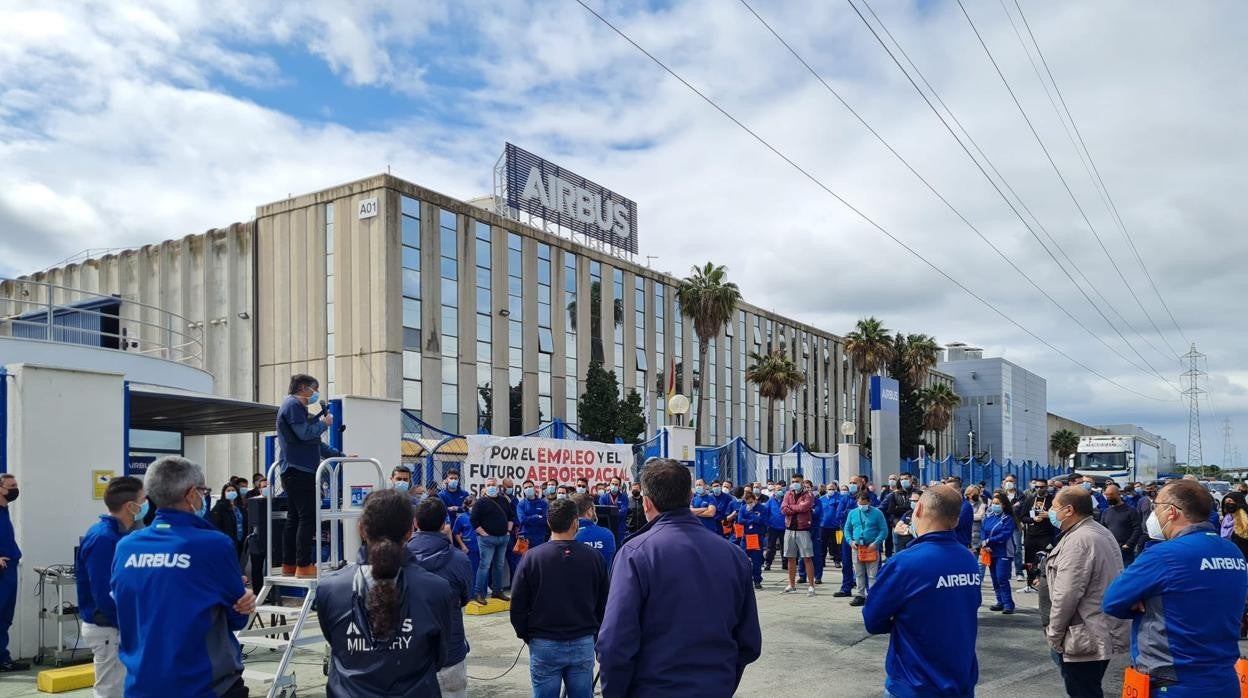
(324, 409)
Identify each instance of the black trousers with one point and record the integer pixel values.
(1083, 679)
(300, 525)
(775, 540)
(257, 575)
(1032, 546)
(829, 545)
(238, 690)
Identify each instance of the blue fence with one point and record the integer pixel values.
(972, 471)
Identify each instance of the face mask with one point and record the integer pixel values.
(997, 508)
(636, 493)
(1052, 490)
(614, 489)
(452, 485)
(580, 490)
(314, 398)
(491, 490)
(905, 484)
(203, 506)
(844, 492)
(1009, 486)
(796, 487)
(755, 490)
(1087, 486)
(143, 509)
(1230, 508)
(892, 483)
(12, 495)
(231, 495)
(1054, 520)
(769, 491)
(561, 496)
(550, 489)
(853, 489)
(264, 491)
(1114, 501)
(1154, 527)
(699, 489)
(864, 507)
(726, 490)
(528, 491)
(402, 485)
(914, 503)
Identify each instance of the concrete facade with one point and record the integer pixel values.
(1005, 405)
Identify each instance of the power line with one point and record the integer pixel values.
(870, 221)
(1004, 182)
(1057, 170)
(1097, 172)
(933, 190)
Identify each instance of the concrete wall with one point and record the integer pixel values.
(1016, 432)
(207, 280)
(62, 425)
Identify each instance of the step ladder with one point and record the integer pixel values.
(304, 632)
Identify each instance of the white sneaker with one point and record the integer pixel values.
(789, 590)
(810, 591)
(1028, 590)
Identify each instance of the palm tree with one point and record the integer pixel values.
(918, 354)
(775, 375)
(710, 300)
(1063, 442)
(938, 403)
(870, 347)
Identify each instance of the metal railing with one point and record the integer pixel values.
(141, 328)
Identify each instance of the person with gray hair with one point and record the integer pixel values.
(179, 594)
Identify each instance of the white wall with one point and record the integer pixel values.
(62, 425)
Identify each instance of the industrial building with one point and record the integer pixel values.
(476, 320)
(1004, 407)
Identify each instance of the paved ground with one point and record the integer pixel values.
(810, 647)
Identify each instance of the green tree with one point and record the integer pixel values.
(775, 375)
(938, 403)
(710, 300)
(632, 419)
(1063, 442)
(870, 348)
(913, 357)
(597, 412)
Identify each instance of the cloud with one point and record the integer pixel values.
(117, 128)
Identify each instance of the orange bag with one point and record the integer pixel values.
(985, 556)
(866, 554)
(738, 531)
(1135, 684)
(522, 546)
(726, 527)
(1241, 668)
(752, 543)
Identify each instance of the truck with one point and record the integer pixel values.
(1121, 458)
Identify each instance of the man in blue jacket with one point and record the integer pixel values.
(1169, 590)
(828, 523)
(865, 527)
(180, 595)
(93, 571)
(453, 494)
(531, 515)
(704, 507)
(431, 549)
(775, 529)
(656, 638)
(927, 598)
(725, 504)
(589, 532)
(300, 452)
(615, 497)
(10, 555)
(849, 500)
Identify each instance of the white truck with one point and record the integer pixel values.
(1121, 458)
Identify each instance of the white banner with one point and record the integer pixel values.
(529, 458)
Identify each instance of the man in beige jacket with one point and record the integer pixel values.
(1077, 571)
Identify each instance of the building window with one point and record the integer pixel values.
(571, 373)
(485, 333)
(515, 334)
(662, 371)
(595, 312)
(545, 338)
(412, 336)
(617, 311)
(448, 251)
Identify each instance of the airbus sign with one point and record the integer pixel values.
(564, 198)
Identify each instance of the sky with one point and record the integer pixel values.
(127, 123)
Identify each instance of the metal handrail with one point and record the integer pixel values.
(172, 341)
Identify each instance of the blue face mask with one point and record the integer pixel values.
(905, 484)
(314, 398)
(143, 509)
(853, 489)
(528, 491)
(452, 485)
(580, 490)
(550, 489)
(796, 487)
(491, 490)
(1087, 486)
(699, 489)
(203, 507)
(864, 507)
(997, 509)
(231, 495)
(1053, 519)
(402, 485)
(264, 491)
(614, 489)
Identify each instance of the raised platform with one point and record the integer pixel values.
(491, 606)
(68, 678)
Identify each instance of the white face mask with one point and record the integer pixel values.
(1154, 527)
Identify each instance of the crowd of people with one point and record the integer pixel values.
(619, 572)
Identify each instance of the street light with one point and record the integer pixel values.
(679, 405)
(848, 429)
